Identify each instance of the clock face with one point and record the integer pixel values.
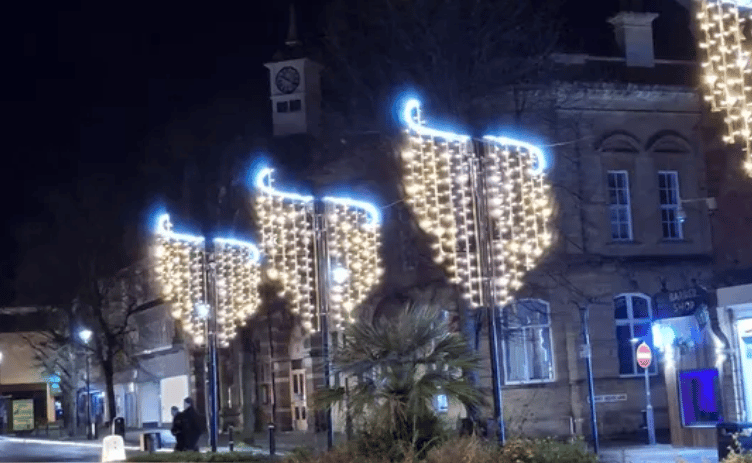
(287, 79)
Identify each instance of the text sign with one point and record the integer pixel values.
(644, 355)
(23, 415)
(680, 303)
(609, 398)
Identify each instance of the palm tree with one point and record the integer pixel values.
(400, 365)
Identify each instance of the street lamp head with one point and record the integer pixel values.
(340, 275)
(85, 335)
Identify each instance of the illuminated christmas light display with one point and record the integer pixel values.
(448, 187)
(725, 61)
(488, 214)
(182, 271)
(350, 248)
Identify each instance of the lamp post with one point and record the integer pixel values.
(212, 286)
(324, 252)
(485, 202)
(585, 322)
(85, 335)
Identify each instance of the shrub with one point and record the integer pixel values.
(738, 458)
(197, 456)
(459, 450)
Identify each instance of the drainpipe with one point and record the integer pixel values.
(740, 412)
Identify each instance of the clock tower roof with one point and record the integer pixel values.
(293, 48)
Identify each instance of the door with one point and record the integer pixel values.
(744, 329)
(298, 400)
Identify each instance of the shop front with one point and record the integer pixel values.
(735, 314)
(691, 346)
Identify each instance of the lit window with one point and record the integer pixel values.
(282, 107)
(668, 189)
(526, 335)
(619, 205)
(633, 314)
(295, 105)
(441, 403)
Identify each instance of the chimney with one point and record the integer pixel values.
(634, 34)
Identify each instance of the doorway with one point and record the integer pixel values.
(298, 400)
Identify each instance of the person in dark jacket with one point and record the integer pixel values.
(178, 425)
(193, 425)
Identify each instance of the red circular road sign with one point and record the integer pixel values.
(644, 355)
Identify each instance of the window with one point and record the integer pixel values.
(282, 107)
(619, 205)
(441, 403)
(528, 353)
(295, 105)
(668, 190)
(633, 314)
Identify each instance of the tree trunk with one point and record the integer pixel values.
(109, 379)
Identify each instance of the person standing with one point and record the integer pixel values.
(178, 428)
(193, 425)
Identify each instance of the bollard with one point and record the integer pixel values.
(272, 446)
(232, 443)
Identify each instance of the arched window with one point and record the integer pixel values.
(527, 345)
(633, 315)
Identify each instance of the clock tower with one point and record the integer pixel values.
(295, 84)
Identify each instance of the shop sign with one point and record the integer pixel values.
(23, 415)
(679, 303)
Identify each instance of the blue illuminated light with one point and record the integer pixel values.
(164, 228)
(255, 254)
(663, 335)
(373, 212)
(411, 117)
(263, 181)
(540, 158)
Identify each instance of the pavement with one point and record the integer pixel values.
(661, 453)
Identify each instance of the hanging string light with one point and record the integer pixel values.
(725, 60)
(181, 267)
(352, 239)
(353, 244)
(447, 186)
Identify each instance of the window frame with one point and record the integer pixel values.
(631, 321)
(617, 206)
(505, 341)
(665, 207)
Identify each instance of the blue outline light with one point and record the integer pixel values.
(255, 254)
(371, 210)
(262, 181)
(408, 117)
(541, 163)
(163, 229)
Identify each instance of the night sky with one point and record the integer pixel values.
(87, 83)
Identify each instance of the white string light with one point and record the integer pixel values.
(440, 183)
(353, 240)
(181, 274)
(726, 67)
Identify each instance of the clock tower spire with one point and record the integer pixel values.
(295, 85)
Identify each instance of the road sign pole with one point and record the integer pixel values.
(649, 409)
(644, 357)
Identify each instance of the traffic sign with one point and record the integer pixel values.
(644, 355)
